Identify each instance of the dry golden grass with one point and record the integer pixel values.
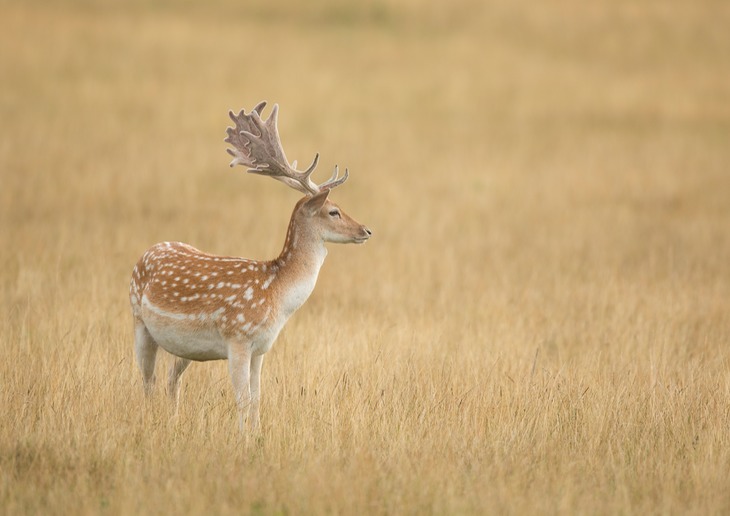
(541, 323)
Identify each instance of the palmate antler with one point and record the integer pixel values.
(256, 145)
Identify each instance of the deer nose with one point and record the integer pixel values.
(367, 231)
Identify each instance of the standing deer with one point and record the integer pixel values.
(199, 306)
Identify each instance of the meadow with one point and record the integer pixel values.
(539, 325)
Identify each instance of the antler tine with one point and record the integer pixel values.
(256, 145)
(260, 107)
(311, 167)
(334, 181)
(241, 152)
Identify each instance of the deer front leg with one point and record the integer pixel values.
(256, 362)
(239, 367)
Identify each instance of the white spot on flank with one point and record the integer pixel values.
(220, 285)
(268, 281)
(248, 294)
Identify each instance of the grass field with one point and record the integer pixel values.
(540, 324)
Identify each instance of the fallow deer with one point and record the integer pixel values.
(199, 306)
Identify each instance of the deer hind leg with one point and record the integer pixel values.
(145, 349)
(173, 378)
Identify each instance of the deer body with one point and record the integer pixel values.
(198, 306)
(193, 303)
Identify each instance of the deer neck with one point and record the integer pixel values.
(298, 265)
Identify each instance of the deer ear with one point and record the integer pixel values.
(315, 203)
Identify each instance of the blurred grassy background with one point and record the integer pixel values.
(540, 324)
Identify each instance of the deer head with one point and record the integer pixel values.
(257, 145)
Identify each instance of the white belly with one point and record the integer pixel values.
(198, 345)
(180, 336)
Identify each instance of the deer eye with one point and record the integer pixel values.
(335, 213)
